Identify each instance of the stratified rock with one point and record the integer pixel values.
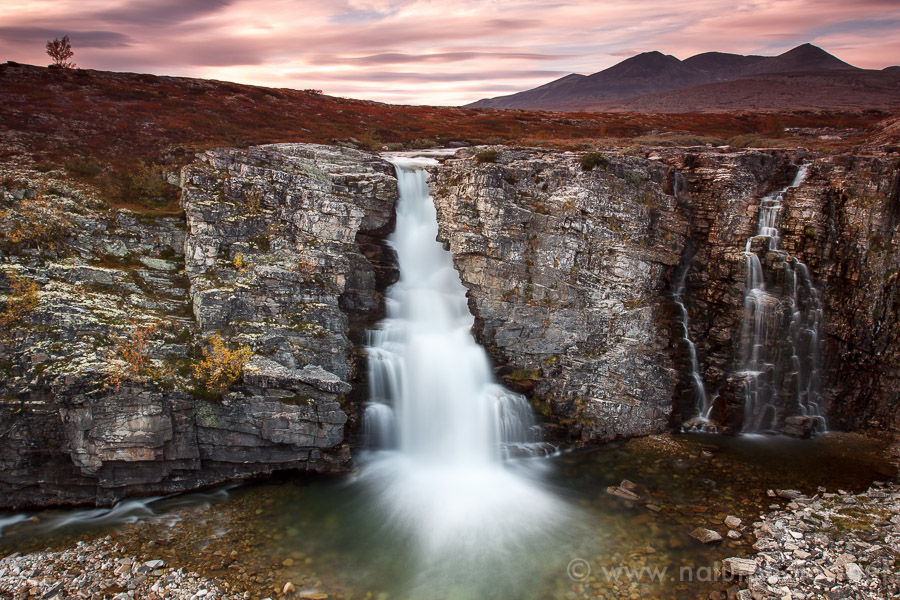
(625, 494)
(788, 494)
(706, 536)
(285, 254)
(739, 567)
(567, 273)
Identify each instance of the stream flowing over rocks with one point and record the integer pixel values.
(570, 269)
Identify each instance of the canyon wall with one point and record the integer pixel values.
(276, 243)
(570, 261)
(571, 264)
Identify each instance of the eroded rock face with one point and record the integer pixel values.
(287, 274)
(567, 272)
(841, 222)
(570, 277)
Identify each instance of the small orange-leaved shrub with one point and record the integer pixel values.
(23, 298)
(37, 222)
(221, 366)
(129, 359)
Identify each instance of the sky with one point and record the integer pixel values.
(442, 52)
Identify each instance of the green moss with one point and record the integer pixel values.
(542, 407)
(633, 178)
(523, 375)
(591, 160)
(486, 156)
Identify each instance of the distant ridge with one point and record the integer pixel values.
(654, 72)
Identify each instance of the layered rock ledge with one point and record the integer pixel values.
(271, 255)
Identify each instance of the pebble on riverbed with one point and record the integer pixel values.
(706, 536)
(94, 570)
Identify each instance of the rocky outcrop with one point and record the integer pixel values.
(277, 240)
(567, 273)
(570, 261)
(844, 224)
(570, 274)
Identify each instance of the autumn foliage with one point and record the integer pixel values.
(35, 223)
(221, 367)
(130, 357)
(23, 298)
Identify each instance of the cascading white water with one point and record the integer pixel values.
(763, 368)
(437, 420)
(700, 399)
(432, 393)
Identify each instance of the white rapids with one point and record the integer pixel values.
(438, 424)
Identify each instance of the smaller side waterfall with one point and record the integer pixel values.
(779, 352)
(699, 399)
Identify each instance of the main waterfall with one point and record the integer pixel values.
(437, 423)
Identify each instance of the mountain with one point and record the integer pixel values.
(835, 90)
(654, 72)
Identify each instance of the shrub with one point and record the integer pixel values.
(87, 168)
(143, 184)
(486, 156)
(253, 199)
(130, 357)
(221, 366)
(37, 222)
(22, 299)
(593, 159)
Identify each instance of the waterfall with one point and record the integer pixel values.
(438, 424)
(699, 399)
(779, 352)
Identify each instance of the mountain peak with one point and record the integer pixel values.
(806, 57)
(653, 72)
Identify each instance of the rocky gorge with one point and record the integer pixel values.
(569, 258)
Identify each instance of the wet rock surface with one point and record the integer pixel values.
(566, 271)
(570, 275)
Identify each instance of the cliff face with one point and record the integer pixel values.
(570, 262)
(275, 241)
(571, 276)
(567, 272)
(841, 222)
(844, 223)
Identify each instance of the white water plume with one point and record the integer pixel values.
(438, 423)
